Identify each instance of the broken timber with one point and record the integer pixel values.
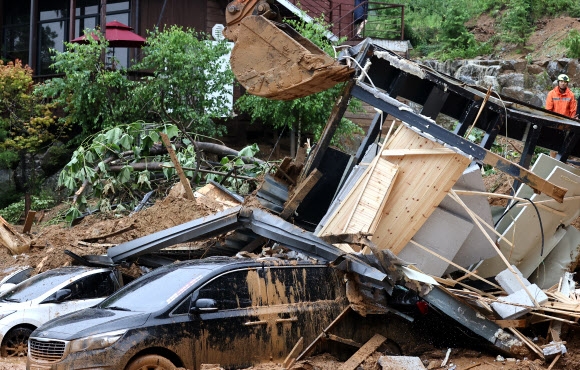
(365, 351)
(403, 112)
(392, 77)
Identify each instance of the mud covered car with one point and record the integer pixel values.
(45, 296)
(235, 312)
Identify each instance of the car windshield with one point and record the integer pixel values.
(37, 285)
(155, 290)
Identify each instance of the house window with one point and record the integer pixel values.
(53, 25)
(16, 31)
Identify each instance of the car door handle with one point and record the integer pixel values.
(261, 322)
(291, 319)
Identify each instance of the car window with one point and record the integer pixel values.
(37, 285)
(296, 284)
(93, 286)
(233, 290)
(155, 290)
(183, 307)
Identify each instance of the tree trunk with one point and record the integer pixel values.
(292, 142)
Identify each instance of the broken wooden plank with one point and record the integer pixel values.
(534, 181)
(422, 182)
(98, 245)
(11, 239)
(531, 345)
(521, 323)
(346, 341)
(28, 222)
(300, 193)
(312, 345)
(291, 358)
(177, 165)
(365, 351)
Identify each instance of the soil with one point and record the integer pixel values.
(543, 44)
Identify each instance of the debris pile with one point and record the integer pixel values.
(407, 219)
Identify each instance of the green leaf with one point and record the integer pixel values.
(72, 214)
(171, 131)
(126, 141)
(249, 151)
(125, 174)
(143, 178)
(113, 135)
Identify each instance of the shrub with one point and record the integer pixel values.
(572, 43)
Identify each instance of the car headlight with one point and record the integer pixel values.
(96, 341)
(4, 314)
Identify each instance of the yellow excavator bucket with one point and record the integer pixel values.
(274, 61)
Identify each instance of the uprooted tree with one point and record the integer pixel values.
(121, 164)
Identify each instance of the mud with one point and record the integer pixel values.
(86, 238)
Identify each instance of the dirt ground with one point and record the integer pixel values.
(543, 44)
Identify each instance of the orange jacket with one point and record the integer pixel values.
(561, 103)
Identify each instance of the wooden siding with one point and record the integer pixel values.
(215, 14)
(185, 13)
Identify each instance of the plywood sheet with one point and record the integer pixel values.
(359, 209)
(422, 182)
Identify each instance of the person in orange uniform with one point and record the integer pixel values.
(561, 99)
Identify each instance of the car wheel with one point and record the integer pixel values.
(151, 362)
(15, 343)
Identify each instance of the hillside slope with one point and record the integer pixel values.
(544, 43)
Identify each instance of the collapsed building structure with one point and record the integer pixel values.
(412, 209)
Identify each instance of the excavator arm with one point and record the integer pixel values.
(272, 60)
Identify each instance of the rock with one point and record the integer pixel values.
(535, 69)
(515, 92)
(511, 80)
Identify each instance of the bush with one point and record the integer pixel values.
(572, 43)
(516, 24)
(14, 211)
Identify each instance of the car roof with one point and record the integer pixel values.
(219, 262)
(72, 270)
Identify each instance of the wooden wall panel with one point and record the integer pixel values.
(422, 182)
(185, 13)
(215, 15)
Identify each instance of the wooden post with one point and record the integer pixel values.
(180, 173)
(335, 116)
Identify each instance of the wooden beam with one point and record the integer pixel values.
(180, 173)
(331, 125)
(511, 323)
(312, 345)
(365, 351)
(28, 222)
(529, 178)
(300, 193)
(291, 358)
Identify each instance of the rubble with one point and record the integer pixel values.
(408, 215)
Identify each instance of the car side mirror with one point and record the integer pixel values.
(204, 305)
(58, 296)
